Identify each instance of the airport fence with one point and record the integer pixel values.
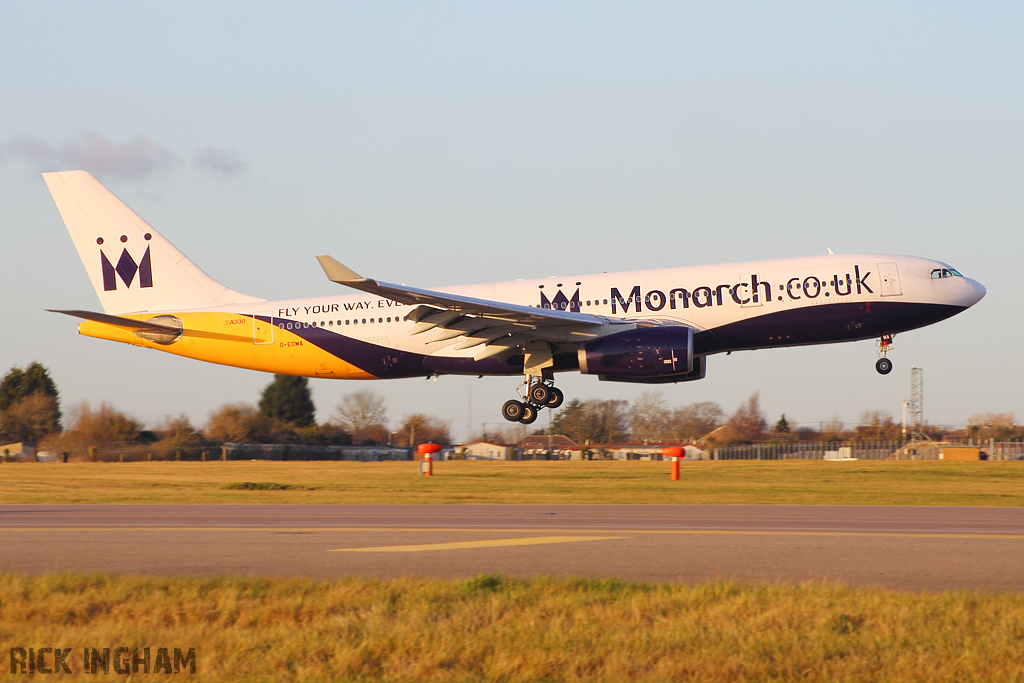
(810, 450)
(863, 450)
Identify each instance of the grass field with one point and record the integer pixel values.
(633, 482)
(495, 629)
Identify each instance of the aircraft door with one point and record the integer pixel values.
(890, 278)
(747, 291)
(263, 328)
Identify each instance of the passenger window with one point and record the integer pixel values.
(364, 321)
(346, 322)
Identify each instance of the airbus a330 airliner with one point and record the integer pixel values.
(651, 326)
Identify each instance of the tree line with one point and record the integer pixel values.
(285, 413)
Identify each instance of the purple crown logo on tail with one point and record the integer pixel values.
(126, 267)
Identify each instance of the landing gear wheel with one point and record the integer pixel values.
(529, 414)
(539, 394)
(513, 410)
(884, 366)
(556, 398)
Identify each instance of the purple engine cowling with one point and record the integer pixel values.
(645, 352)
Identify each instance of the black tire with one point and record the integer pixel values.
(539, 394)
(884, 366)
(513, 410)
(530, 413)
(556, 398)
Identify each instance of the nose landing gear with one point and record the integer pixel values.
(884, 365)
(538, 393)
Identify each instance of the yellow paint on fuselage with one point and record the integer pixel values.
(237, 340)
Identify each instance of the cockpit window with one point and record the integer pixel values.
(944, 272)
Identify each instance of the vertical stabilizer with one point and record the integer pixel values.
(131, 266)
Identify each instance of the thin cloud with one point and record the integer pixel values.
(220, 161)
(136, 159)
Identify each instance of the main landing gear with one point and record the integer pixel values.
(539, 393)
(884, 365)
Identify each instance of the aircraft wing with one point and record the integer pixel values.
(497, 326)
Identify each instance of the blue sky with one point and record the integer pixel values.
(457, 142)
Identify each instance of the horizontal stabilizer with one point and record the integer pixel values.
(118, 321)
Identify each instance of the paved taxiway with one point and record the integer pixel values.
(917, 548)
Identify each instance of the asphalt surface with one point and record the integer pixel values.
(913, 548)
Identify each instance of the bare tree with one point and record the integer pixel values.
(418, 428)
(833, 428)
(877, 425)
(693, 421)
(592, 421)
(992, 426)
(748, 418)
(363, 414)
(178, 431)
(239, 423)
(30, 418)
(104, 425)
(648, 417)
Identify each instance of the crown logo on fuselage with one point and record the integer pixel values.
(561, 301)
(126, 268)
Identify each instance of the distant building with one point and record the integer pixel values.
(724, 435)
(18, 451)
(540, 447)
(483, 450)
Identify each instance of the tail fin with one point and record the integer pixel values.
(131, 266)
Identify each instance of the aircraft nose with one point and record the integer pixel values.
(977, 291)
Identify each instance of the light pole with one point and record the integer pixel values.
(905, 404)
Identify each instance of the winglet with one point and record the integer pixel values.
(337, 272)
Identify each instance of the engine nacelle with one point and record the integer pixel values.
(643, 353)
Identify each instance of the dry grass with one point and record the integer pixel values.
(789, 482)
(497, 629)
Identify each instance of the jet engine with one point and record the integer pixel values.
(645, 354)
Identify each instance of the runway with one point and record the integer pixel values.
(913, 548)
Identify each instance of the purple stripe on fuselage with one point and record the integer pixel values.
(809, 325)
(821, 325)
